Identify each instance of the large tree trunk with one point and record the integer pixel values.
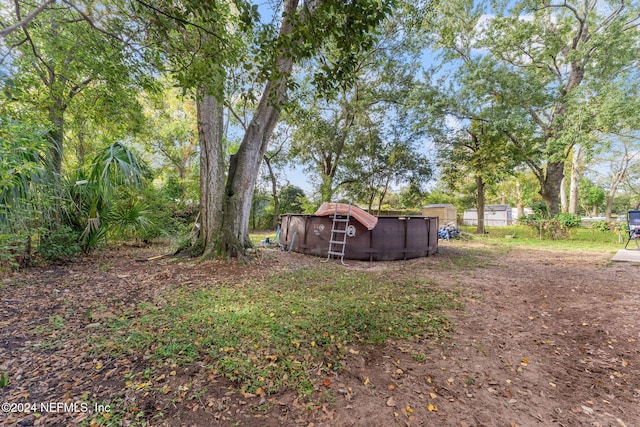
(609, 207)
(550, 186)
(274, 193)
(56, 134)
(519, 202)
(326, 188)
(480, 229)
(233, 233)
(564, 206)
(210, 132)
(576, 166)
(245, 163)
(619, 175)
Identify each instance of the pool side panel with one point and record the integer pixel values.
(394, 238)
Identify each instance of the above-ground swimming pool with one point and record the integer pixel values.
(392, 238)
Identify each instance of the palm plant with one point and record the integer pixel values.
(92, 193)
(130, 219)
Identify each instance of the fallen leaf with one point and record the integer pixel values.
(432, 408)
(524, 362)
(433, 395)
(408, 409)
(391, 402)
(587, 410)
(142, 385)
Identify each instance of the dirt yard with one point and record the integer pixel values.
(544, 338)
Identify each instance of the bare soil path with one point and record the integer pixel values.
(544, 338)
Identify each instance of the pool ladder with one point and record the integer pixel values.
(338, 239)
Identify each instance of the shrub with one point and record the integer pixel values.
(550, 228)
(602, 226)
(131, 220)
(59, 245)
(15, 250)
(568, 220)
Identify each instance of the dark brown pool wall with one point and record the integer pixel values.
(393, 238)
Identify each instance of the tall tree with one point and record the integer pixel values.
(389, 154)
(61, 54)
(577, 166)
(332, 132)
(477, 152)
(622, 157)
(543, 62)
(210, 32)
(171, 130)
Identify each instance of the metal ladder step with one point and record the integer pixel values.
(335, 253)
(338, 239)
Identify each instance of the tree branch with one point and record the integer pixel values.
(24, 21)
(78, 87)
(181, 20)
(238, 118)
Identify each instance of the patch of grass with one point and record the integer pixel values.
(57, 322)
(470, 257)
(580, 238)
(274, 334)
(114, 413)
(261, 409)
(419, 357)
(258, 236)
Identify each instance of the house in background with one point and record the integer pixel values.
(494, 216)
(446, 213)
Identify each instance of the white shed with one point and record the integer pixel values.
(494, 216)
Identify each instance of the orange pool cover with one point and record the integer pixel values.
(361, 216)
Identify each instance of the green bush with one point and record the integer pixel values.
(15, 250)
(59, 245)
(548, 228)
(601, 225)
(568, 220)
